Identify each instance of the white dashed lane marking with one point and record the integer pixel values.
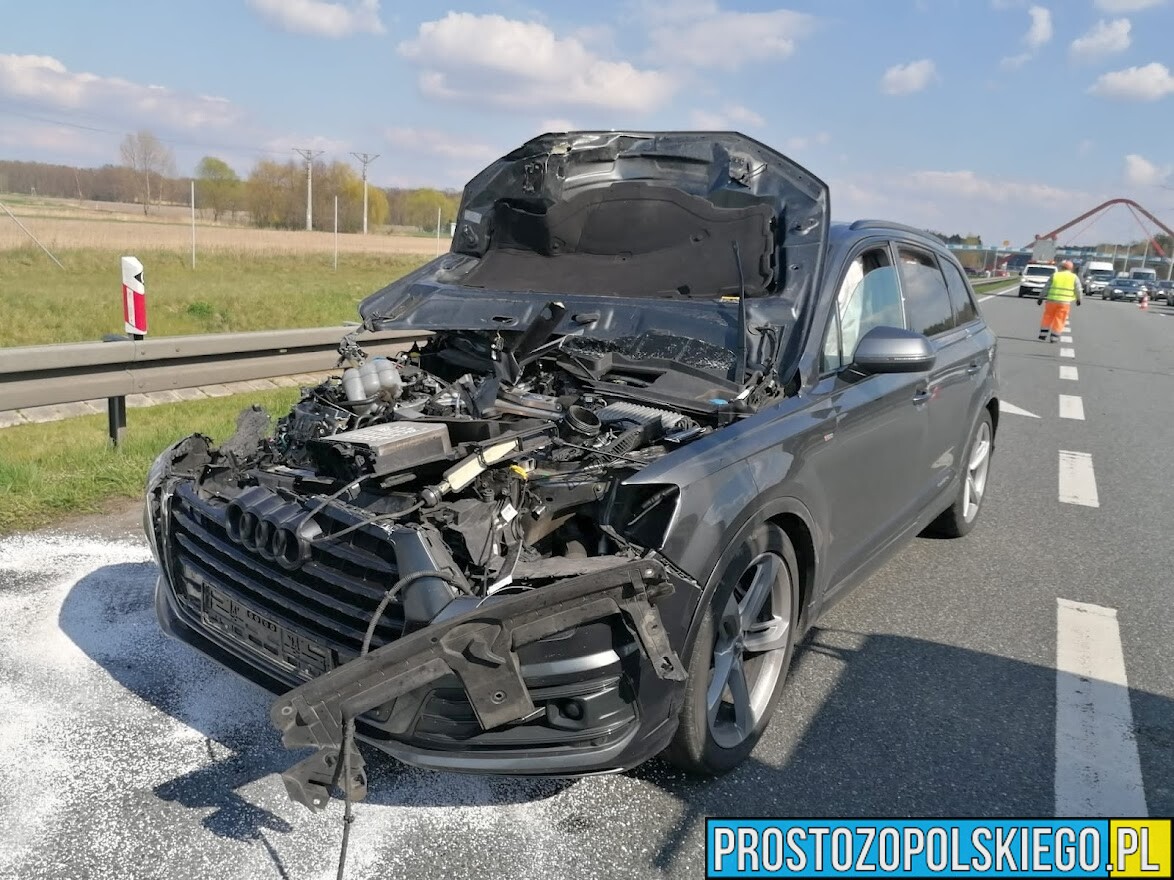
(1078, 482)
(1069, 373)
(1071, 407)
(1067, 352)
(1098, 772)
(1065, 338)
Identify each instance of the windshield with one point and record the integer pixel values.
(1100, 274)
(1040, 270)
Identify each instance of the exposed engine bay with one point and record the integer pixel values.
(508, 457)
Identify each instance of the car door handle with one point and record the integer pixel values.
(921, 395)
(973, 368)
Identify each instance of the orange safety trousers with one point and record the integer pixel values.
(1055, 317)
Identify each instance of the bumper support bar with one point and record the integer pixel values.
(480, 649)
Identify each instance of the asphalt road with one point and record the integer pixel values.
(932, 690)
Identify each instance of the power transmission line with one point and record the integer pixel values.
(309, 156)
(366, 159)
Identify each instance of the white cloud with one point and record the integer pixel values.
(557, 124)
(331, 147)
(960, 201)
(732, 117)
(490, 59)
(319, 18)
(1014, 62)
(46, 81)
(429, 142)
(968, 184)
(1040, 31)
(1038, 34)
(800, 143)
(703, 35)
(1139, 171)
(1149, 83)
(1127, 5)
(904, 79)
(1105, 38)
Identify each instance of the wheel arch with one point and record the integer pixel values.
(796, 521)
(992, 408)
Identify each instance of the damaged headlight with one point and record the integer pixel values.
(644, 514)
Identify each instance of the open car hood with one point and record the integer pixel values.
(640, 223)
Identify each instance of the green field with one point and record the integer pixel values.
(60, 469)
(226, 292)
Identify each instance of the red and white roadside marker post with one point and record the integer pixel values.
(134, 317)
(134, 298)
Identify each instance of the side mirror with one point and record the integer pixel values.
(893, 350)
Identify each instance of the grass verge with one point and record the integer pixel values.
(226, 292)
(56, 470)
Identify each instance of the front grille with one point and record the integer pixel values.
(326, 603)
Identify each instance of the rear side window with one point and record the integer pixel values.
(961, 301)
(927, 301)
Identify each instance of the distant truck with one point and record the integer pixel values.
(1034, 279)
(1147, 276)
(1095, 276)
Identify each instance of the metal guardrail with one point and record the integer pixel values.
(50, 374)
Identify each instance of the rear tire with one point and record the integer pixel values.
(961, 516)
(739, 661)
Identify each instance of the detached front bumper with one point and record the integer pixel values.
(573, 678)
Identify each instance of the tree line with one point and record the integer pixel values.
(271, 195)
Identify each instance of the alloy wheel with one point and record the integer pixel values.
(749, 649)
(976, 472)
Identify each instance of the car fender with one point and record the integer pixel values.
(760, 510)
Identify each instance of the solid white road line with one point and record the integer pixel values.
(1071, 407)
(1065, 338)
(1069, 373)
(1078, 482)
(1098, 772)
(1067, 352)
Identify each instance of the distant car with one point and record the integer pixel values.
(1096, 279)
(1124, 288)
(1035, 278)
(1164, 292)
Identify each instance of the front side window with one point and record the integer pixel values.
(927, 301)
(869, 296)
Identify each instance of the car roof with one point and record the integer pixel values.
(842, 232)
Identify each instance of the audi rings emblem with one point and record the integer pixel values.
(274, 529)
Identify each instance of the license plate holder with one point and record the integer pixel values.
(246, 626)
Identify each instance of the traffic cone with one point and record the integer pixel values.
(1145, 301)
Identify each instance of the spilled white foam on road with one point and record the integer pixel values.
(126, 754)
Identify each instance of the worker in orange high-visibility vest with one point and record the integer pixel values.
(1063, 290)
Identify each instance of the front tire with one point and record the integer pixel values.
(961, 516)
(740, 657)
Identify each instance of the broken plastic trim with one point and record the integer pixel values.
(480, 649)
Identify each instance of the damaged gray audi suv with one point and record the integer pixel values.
(660, 414)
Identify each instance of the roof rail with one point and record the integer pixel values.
(889, 224)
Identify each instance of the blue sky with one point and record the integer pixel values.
(999, 117)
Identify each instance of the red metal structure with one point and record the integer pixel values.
(1132, 205)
